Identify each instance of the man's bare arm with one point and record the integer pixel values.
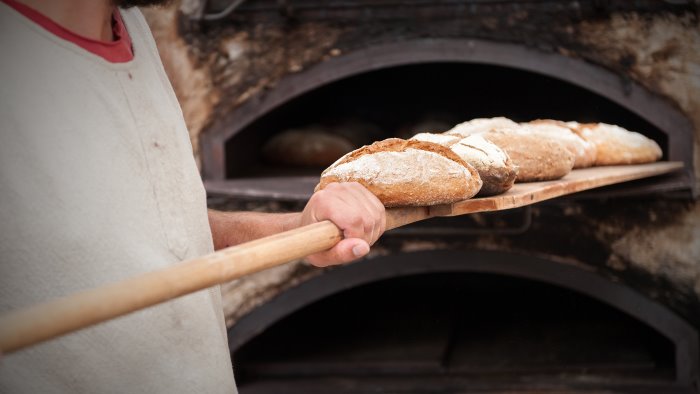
(233, 228)
(349, 206)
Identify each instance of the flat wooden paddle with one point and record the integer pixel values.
(35, 324)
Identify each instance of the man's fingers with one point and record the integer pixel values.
(364, 217)
(373, 217)
(347, 250)
(353, 225)
(376, 210)
(356, 211)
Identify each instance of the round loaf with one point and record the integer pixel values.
(495, 167)
(617, 145)
(480, 125)
(584, 151)
(307, 147)
(442, 139)
(537, 159)
(406, 173)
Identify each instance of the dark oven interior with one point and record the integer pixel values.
(450, 321)
(436, 332)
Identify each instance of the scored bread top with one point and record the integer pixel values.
(480, 125)
(617, 145)
(442, 139)
(399, 145)
(585, 152)
(477, 151)
(537, 158)
(495, 168)
(406, 173)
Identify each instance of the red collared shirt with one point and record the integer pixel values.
(118, 50)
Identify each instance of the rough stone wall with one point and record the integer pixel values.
(661, 52)
(190, 79)
(652, 245)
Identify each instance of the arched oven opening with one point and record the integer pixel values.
(442, 321)
(400, 89)
(427, 97)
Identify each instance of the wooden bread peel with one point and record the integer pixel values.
(32, 325)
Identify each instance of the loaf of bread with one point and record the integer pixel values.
(583, 151)
(311, 146)
(480, 125)
(442, 139)
(495, 168)
(616, 145)
(406, 173)
(537, 158)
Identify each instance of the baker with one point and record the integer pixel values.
(98, 184)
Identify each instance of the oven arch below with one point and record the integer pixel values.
(629, 94)
(582, 280)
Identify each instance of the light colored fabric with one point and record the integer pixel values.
(97, 184)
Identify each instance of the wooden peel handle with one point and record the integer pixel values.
(35, 324)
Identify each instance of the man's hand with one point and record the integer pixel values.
(356, 211)
(350, 206)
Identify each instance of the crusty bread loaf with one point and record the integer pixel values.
(442, 139)
(406, 173)
(617, 145)
(584, 151)
(311, 146)
(537, 159)
(495, 168)
(480, 125)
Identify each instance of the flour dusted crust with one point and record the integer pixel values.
(617, 145)
(406, 173)
(537, 158)
(496, 169)
(584, 151)
(442, 139)
(480, 125)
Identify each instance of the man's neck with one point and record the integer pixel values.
(88, 18)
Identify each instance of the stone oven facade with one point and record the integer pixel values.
(607, 265)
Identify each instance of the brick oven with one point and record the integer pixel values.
(595, 292)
